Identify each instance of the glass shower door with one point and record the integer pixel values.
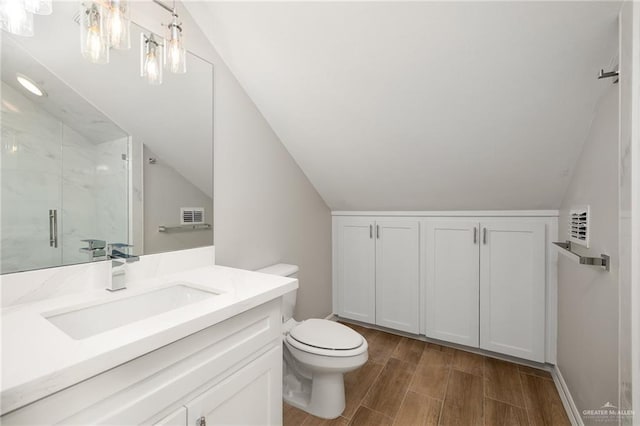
(31, 170)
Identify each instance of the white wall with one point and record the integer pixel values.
(588, 296)
(265, 208)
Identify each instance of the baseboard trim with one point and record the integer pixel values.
(565, 396)
(331, 317)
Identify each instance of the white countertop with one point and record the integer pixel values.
(39, 359)
(451, 213)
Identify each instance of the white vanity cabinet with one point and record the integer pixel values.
(228, 373)
(376, 270)
(250, 396)
(480, 281)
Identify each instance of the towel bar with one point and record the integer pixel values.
(603, 260)
(183, 228)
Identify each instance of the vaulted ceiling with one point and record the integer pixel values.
(423, 105)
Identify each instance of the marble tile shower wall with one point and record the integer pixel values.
(112, 185)
(94, 195)
(78, 204)
(48, 165)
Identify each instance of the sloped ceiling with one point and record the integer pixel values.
(423, 105)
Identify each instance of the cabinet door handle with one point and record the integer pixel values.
(484, 235)
(370, 231)
(475, 235)
(378, 231)
(202, 421)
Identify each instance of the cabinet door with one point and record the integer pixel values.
(397, 275)
(512, 288)
(250, 396)
(177, 418)
(356, 269)
(451, 270)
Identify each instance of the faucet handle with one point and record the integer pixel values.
(114, 250)
(95, 249)
(95, 244)
(119, 245)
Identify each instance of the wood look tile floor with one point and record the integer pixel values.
(410, 382)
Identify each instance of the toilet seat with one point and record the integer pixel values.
(328, 338)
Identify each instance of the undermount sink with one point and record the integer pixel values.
(88, 321)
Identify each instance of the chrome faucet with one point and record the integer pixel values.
(95, 249)
(119, 259)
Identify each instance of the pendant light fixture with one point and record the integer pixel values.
(106, 24)
(151, 60)
(39, 7)
(15, 18)
(175, 53)
(94, 40)
(119, 25)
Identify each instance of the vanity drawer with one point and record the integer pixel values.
(150, 387)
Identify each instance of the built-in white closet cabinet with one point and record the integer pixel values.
(377, 271)
(485, 284)
(451, 273)
(483, 281)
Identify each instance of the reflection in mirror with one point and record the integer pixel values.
(101, 155)
(64, 169)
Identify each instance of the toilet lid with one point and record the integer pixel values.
(326, 334)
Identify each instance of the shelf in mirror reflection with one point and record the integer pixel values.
(185, 228)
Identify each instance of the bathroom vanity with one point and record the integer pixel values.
(102, 358)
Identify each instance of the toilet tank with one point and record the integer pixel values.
(289, 299)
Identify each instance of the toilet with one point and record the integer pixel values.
(317, 353)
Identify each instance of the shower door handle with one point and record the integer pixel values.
(53, 228)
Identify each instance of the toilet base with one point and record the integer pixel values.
(322, 397)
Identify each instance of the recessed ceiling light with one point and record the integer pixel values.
(29, 84)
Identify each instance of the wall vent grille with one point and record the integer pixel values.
(191, 215)
(579, 218)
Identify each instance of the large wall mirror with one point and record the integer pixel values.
(101, 155)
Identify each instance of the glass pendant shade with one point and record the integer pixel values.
(151, 60)
(175, 53)
(119, 25)
(94, 41)
(39, 7)
(15, 18)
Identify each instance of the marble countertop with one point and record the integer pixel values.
(39, 359)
